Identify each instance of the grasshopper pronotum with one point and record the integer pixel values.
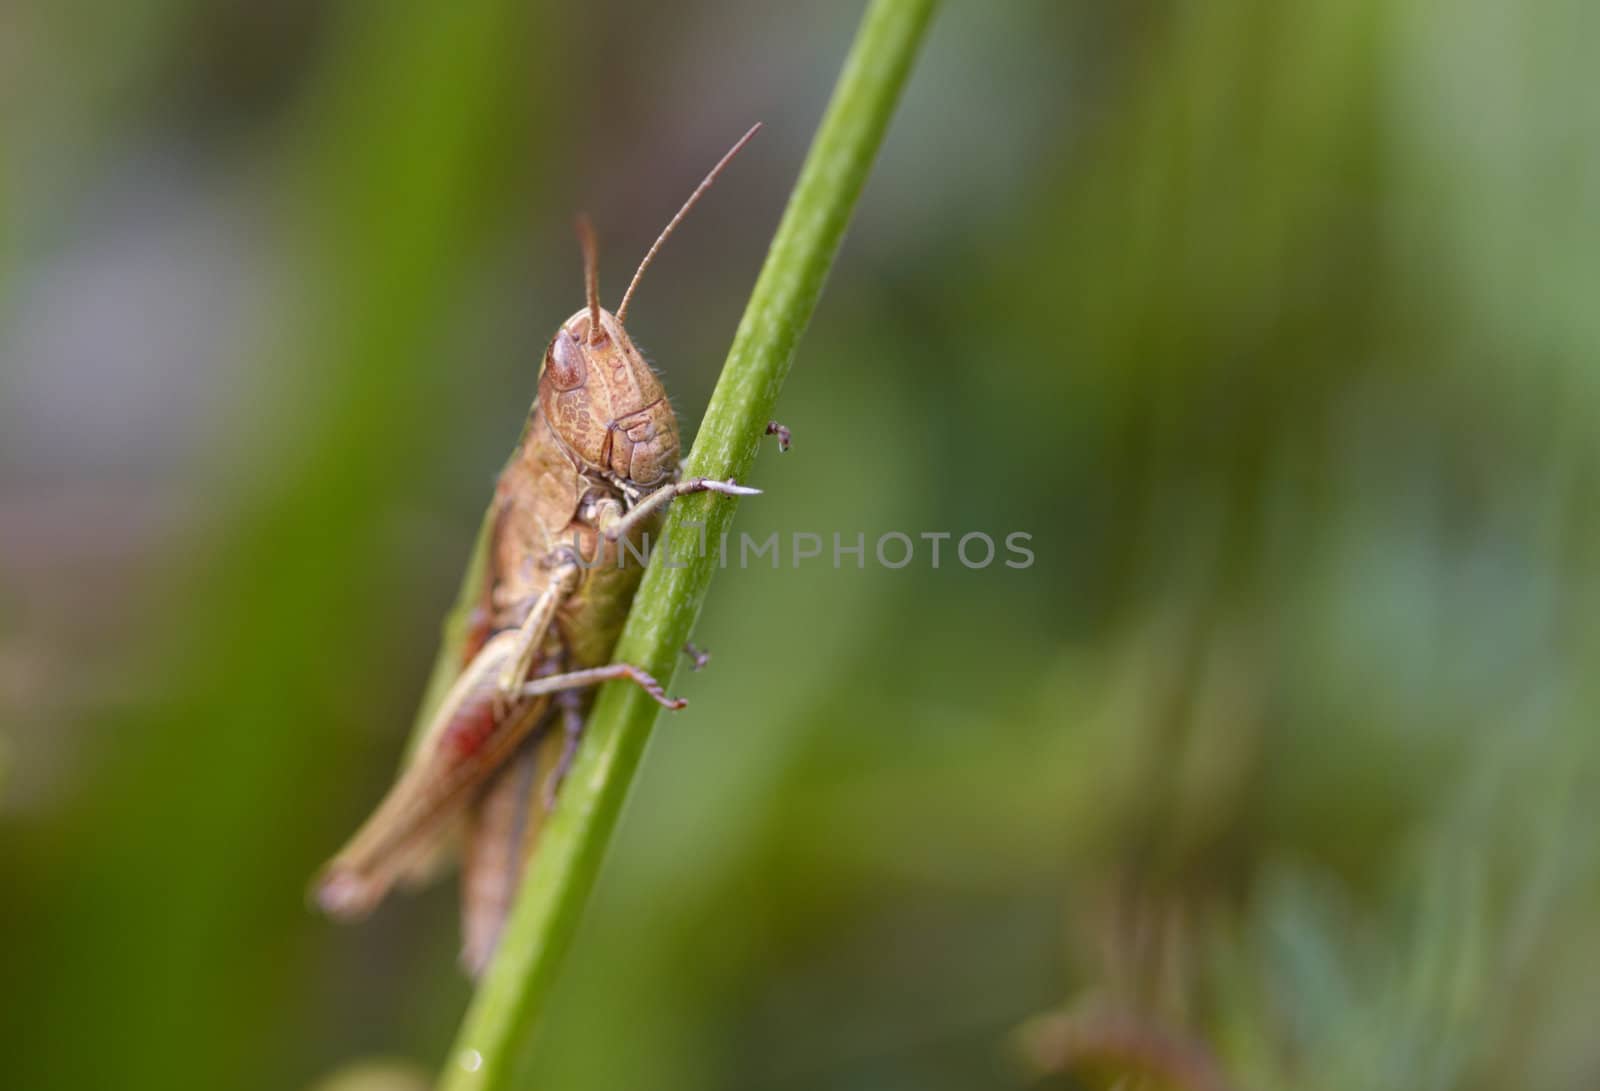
(595, 468)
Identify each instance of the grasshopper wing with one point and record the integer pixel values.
(502, 830)
(463, 747)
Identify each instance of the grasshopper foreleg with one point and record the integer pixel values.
(614, 525)
(531, 634)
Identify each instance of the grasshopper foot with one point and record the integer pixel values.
(776, 429)
(698, 657)
(646, 682)
(729, 487)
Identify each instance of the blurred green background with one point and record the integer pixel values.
(1275, 324)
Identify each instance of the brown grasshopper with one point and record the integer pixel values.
(595, 468)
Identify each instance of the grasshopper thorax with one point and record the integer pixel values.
(606, 406)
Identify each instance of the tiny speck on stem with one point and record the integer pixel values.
(698, 657)
(776, 429)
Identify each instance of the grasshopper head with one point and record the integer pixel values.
(606, 405)
(602, 400)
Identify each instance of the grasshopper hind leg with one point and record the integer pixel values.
(570, 705)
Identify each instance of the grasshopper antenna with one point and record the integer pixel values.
(591, 276)
(622, 310)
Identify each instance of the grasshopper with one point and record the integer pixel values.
(592, 475)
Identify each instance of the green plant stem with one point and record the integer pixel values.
(512, 996)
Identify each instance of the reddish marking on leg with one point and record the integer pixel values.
(470, 728)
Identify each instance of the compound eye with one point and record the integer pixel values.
(565, 361)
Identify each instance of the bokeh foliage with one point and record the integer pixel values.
(1271, 322)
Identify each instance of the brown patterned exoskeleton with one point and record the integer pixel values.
(597, 465)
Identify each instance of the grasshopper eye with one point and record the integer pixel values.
(567, 368)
